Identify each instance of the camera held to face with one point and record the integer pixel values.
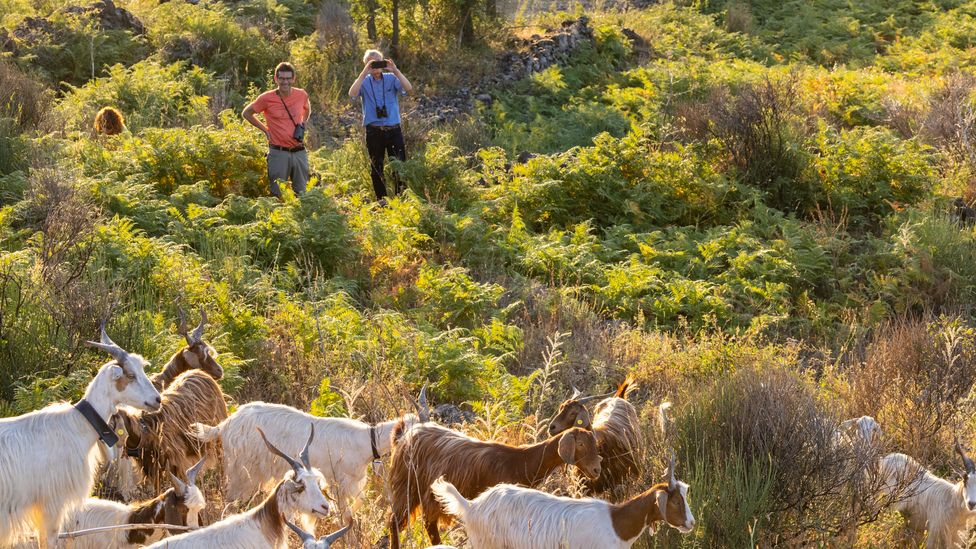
(299, 133)
(381, 112)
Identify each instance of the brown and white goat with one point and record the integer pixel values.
(198, 354)
(428, 451)
(522, 518)
(160, 441)
(177, 506)
(614, 425)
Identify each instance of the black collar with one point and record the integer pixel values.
(105, 433)
(372, 442)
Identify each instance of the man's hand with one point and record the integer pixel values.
(391, 65)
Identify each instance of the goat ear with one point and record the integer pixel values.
(662, 504)
(567, 447)
(583, 419)
(117, 373)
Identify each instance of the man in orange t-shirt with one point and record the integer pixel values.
(285, 111)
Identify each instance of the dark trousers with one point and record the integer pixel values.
(379, 143)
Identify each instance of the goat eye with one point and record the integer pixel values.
(301, 488)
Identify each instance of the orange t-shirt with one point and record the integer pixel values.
(279, 125)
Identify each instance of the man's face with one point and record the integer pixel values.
(284, 79)
(375, 72)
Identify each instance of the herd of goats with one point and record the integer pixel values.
(171, 422)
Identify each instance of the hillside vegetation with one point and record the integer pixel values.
(746, 204)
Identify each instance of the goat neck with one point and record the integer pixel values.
(270, 517)
(631, 517)
(540, 459)
(148, 512)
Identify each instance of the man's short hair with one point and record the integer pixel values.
(371, 53)
(284, 66)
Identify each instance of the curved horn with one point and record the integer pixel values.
(304, 454)
(576, 394)
(423, 407)
(334, 536)
(197, 334)
(192, 472)
(970, 468)
(305, 536)
(671, 481)
(181, 325)
(106, 344)
(274, 450)
(177, 484)
(586, 399)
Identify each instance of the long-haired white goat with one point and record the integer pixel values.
(930, 502)
(48, 457)
(515, 517)
(343, 450)
(263, 527)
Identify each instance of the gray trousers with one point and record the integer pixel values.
(285, 166)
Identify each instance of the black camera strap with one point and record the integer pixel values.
(285, 105)
(372, 91)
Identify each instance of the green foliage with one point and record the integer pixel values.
(148, 94)
(208, 36)
(74, 48)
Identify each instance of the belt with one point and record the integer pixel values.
(384, 128)
(286, 149)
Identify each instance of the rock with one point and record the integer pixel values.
(450, 414)
(109, 16)
(484, 98)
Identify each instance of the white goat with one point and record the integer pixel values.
(342, 452)
(263, 527)
(48, 457)
(930, 502)
(857, 431)
(522, 518)
(309, 541)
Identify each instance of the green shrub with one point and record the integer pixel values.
(148, 94)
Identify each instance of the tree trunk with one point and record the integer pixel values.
(371, 21)
(395, 39)
(467, 26)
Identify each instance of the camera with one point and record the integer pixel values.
(378, 64)
(381, 112)
(299, 133)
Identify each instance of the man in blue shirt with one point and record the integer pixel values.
(380, 93)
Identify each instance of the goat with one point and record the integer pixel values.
(965, 216)
(48, 457)
(299, 492)
(930, 502)
(198, 354)
(427, 451)
(160, 441)
(342, 453)
(862, 430)
(615, 427)
(178, 506)
(522, 518)
(309, 541)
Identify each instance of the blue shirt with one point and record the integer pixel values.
(376, 93)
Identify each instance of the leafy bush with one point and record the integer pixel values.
(209, 37)
(148, 94)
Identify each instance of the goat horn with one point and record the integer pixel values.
(191, 473)
(181, 316)
(305, 536)
(334, 536)
(576, 394)
(197, 334)
(586, 399)
(304, 455)
(177, 484)
(274, 450)
(968, 463)
(671, 481)
(106, 344)
(423, 407)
